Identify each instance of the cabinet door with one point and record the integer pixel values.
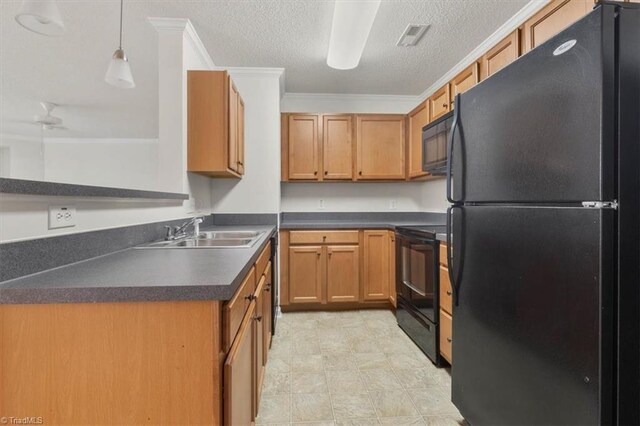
(239, 375)
(501, 55)
(343, 274)
(337, 152)
(439, 103)
(232, 153)
(305, 274)
(418, 118)
(464, 81)
(267, 314)
(552, 19)
(376, 265)
(392, 268)
(446, 336)
(380, 142)
(240, 135)
(303, 146)
(258, 366)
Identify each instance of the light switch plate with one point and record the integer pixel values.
(62, 216)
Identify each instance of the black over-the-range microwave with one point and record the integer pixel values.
(435, 136)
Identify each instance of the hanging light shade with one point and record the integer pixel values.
(119, 71)
(41, 16)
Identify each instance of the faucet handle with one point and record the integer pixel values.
(169, 235)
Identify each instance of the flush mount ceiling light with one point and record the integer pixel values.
(41, 16)
(352, 22)
(119, 71)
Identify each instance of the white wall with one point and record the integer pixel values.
(25, 217)
(259, 189)
(21, 157)
(359, 196)
(125, 163)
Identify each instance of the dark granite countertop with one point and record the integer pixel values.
(142, 275)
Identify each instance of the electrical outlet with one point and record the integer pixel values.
(392, 205)
(321, 204)
(62, 216)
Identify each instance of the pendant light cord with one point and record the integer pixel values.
(121, 7)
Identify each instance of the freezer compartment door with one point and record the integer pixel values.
(542, 128)
(532, 331)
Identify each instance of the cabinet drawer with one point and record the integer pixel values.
(443, 254)
(234, 309)
(261, 263)
(446, 299)
(320, 237)
(446, 335)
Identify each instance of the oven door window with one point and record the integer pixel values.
(417, 275)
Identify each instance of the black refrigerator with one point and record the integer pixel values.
(544, 185)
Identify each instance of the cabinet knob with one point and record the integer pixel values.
(258, 318)
(449, 339)
(326, 173)
(444, 105)
(318, 254)
(315, 173)
(267, 288)
(448, 292)
(241, 163)
(250, 297)
(324, 238)
(360, 172)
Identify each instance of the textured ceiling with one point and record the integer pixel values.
(265, 33)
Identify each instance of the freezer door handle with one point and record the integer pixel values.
(454, 273)
(454, 126)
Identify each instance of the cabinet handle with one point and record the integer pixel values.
(267, 288)
(318, 254)
(444, 105)
(330, 253)
(326, 172)
(324, 238)
(448, 292)
(360, 172)
(258, 318)
(449, 339)
(250, 297)
(241, 163)
(315, 173)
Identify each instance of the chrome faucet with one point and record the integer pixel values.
(181, 231)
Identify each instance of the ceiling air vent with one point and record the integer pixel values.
(411, 35)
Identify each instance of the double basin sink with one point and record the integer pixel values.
(211, 239)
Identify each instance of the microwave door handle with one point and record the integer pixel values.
(454, 126)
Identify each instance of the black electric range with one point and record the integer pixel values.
(418, 285)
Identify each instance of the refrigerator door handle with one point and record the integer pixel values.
(453, 277)
(454, 126)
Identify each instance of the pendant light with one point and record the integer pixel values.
(41, 16)
(119, 71)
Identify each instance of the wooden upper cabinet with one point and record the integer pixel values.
(380, 141)
(439, 103)
(337, 147)
(376, 265)
(552, 19)
(343, 274)
(239, 378)
(464, 81)
(215, 125)
(501, 55)
(417, 119)
(303, 146)
(305, 274)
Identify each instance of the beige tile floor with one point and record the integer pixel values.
(351, 368)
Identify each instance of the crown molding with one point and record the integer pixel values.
(351, 97)
(184, 25)
(505, 29)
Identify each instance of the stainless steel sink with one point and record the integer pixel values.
(224, 235)
(211, 240)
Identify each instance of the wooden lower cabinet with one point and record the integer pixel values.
(376, 265)
(239, 400)
(305, 270)
(343, 274)
(446, 335)
(348, 268)
(137, 362)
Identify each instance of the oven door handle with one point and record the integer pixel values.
(412, 287)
